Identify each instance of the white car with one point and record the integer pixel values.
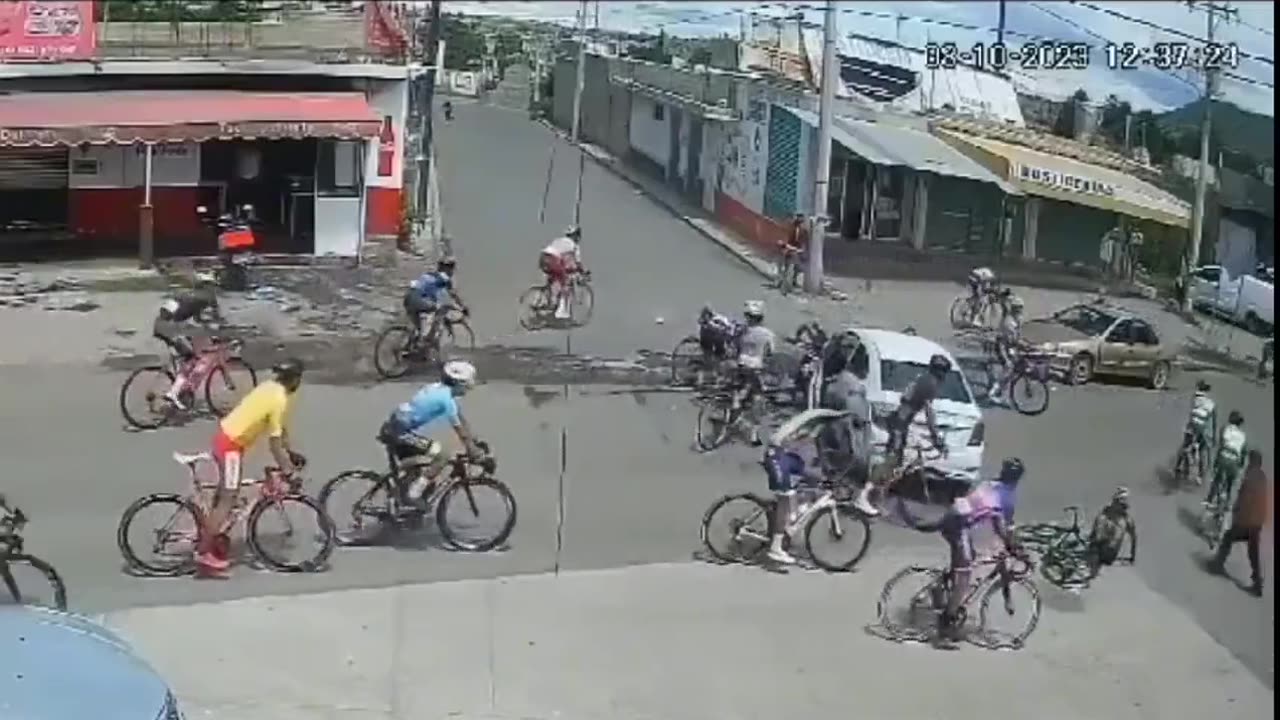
(895, 360)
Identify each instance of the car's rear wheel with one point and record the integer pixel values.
(1081, 370)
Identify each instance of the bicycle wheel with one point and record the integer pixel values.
(1028, 395)
(1009, 605)
(153, 381)
(582, 305)
(910, 603)
(361, 497)
(233, 379)
(322, 533)
(52, 592)
(457, 336)
(715, 417)
(1066, 562)
(172, 540)
(391, 352)
(961, 313)
(748, 528)
(466, 490)
(686, 363)
(535, 306)
(841, 524)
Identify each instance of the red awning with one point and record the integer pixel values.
(131, 116)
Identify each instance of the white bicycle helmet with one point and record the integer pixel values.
(205, 279)
(753, 308)
(460, 372)
(1015, 303)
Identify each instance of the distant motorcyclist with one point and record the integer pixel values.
(448, 110)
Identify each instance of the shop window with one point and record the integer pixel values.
(659, 112)
(890, 184)
(338, 171)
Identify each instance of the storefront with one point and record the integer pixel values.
(1073, 206)
(118, 169)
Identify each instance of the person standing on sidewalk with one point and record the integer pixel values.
(1253, 504)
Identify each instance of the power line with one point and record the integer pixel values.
(1167, 30)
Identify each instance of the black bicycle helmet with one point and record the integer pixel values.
(446, 263)
(939, 365)
(1202, 386)
(289, 370)
(1011, 470)
(1235, 418)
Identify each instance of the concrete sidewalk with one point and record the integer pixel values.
(676, 642)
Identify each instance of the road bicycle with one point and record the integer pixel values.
(378, 501)
(913, 600)
(722, 415)
(13, 557)
(538, 304)
(1026, 382)
(1189, 467)
(217, 368)
(921, 484)
(174, 540)
(403, 345)
(1213, 519)
(691, 367)
(824, 511)
(972, 309)
(1067, 557)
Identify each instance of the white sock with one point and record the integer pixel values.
(775, 545)
(418, 487)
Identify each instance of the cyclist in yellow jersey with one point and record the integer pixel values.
(264, 411)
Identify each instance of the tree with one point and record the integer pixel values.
(181, 11)
(1111, 124)
(1065, 125)
(463, 44)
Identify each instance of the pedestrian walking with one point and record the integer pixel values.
(1253, 503)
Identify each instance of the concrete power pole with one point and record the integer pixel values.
(1202, 177)
(578, 85)
(425, 99)
(822, 171)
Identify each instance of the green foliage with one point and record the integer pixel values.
(181, 11)
(464, 44)
(655, 51)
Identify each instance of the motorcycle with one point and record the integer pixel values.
(236, 240)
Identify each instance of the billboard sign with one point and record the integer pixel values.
(47, 30)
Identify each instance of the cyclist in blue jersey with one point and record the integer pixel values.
(408, 449)
(424, 295)
(991, 500)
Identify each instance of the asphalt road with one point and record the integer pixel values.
(628, 489)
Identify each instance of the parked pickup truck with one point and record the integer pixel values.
(1246, 299)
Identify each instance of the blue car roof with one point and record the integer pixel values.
(60, 666)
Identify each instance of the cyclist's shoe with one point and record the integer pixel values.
(950, 629)
(176, 401)
(863, 502)
(781, 557)
(209, 565)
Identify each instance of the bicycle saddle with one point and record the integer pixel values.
(191, 459)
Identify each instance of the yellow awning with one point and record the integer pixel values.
(1072, 181)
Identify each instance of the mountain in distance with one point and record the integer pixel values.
(1239, 129)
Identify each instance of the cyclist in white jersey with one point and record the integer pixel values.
(1229, 463)
(755, 345)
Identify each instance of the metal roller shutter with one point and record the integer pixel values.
(33, 168)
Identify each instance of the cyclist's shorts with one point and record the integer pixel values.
(408, 447)
(783, 468)
(228, 456)
(415, 304)
(955, 530)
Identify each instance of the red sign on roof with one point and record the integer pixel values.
(47, 30)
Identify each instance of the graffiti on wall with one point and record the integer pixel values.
(743, 151)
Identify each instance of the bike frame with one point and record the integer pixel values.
(206, 360)
(271, 488)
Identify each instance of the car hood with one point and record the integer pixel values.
(59, 666)
(1039, 332)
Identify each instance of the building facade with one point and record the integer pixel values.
(113, 151)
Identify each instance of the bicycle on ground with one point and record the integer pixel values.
(217, 369)
(1068, 559)
(378, 504)
(913, 600)
(403, 345)
(173, 540)
(52, 592)
(824, 512)
(539, 303)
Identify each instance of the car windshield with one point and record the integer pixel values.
(895, 376)
(1085, 319)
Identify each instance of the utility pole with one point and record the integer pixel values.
(818, 220)
(1000, 26)
(426, 98)
(578, 85)
(1202, 177)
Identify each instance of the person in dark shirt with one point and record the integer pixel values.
(178, 319)
(918, 396)
(846, 392)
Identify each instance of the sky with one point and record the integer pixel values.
(917, 23)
